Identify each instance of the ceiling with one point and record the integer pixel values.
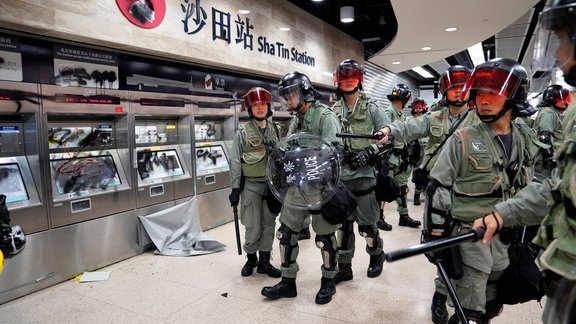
(396, 30)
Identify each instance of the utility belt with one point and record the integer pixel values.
(403, 152)
(494, 194)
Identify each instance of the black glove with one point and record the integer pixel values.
(362, 159)
(234, 197)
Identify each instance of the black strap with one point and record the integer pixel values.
(452, 130)
(364, 192)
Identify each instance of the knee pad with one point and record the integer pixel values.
(370, 234)
(288, 245)
(345, 235)
(327, 244)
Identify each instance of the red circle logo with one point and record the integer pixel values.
(143, 13)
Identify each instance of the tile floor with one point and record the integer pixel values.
(209, 289)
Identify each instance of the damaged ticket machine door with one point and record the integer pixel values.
(163, 150)
(215, 120)
(89, 156)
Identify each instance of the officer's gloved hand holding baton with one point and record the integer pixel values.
(234, 197)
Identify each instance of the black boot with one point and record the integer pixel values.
(382, 224)
(416, 199)
(344, 273)
(248, 268)
(471, 316)
(264, 266)
(375, 266)
(327, 290)
(405, 220)
(285, 288)
(304, 234)
(438, 308)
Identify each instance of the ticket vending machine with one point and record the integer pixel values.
(162, 156)
(22, 181)
(20, 170)
(89, 156)
(215, 120)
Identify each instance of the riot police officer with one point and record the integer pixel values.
(299, 96)
(480, 166)
(416, 147)
(452, 114)
(398, 161)
(548, 123)
(360, 115)
(552, 202)
(248, 159)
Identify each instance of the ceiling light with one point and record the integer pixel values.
(284, 28)
(396, 62)
(347, 14)
(317, 0)
(476, 54)
(243, 11)
(426, 48)
(451, 29)
(425, 74)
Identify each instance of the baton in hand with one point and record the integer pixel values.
(351, 135)
(237, 227)
(471, 235)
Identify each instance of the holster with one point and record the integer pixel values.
(274, 205)
(420, 177)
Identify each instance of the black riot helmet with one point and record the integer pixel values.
(12, 240)
(557, 96)
(400, 92)
(556, 22)
(296, 85)
(504, 77)
(256, 95)
(456, 75)
(349, 69)
(419, 103)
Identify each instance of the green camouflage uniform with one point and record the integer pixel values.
(473, 164)
(321, 120)
(248, 157)
(365, 117)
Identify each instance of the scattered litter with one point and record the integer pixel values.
(95, 276)
(224, 295)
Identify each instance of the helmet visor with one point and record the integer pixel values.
(452, 79)
(419, 105)
(257, 95)
(346, 74)
(545, 48)
(563, 98)
(501, 82)
(291, 97)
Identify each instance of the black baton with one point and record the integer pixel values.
(471, 235)
(351, 135)
(237, 226)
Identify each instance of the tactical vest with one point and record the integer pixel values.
(558, 130)
(439, 129)
(482, 180)
(361, 121)
(254, 157)
(310, 121)
(558, 231)
(393, 113)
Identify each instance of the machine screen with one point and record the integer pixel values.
(158, 164)
(211, 159)
(84, 173)
(11, 183)
(71, 137)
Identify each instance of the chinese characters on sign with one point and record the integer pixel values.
(195, 18)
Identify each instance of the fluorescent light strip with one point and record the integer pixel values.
(476, 54)
(425, 74)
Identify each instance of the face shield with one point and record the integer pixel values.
(346, 74)
(562, 98)
(501, 82)
(452, 79)
(255, 96)
(303, 171)
(291, 97)
(419, 105)
(545, 47)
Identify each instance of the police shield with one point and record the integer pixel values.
(304, 171)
